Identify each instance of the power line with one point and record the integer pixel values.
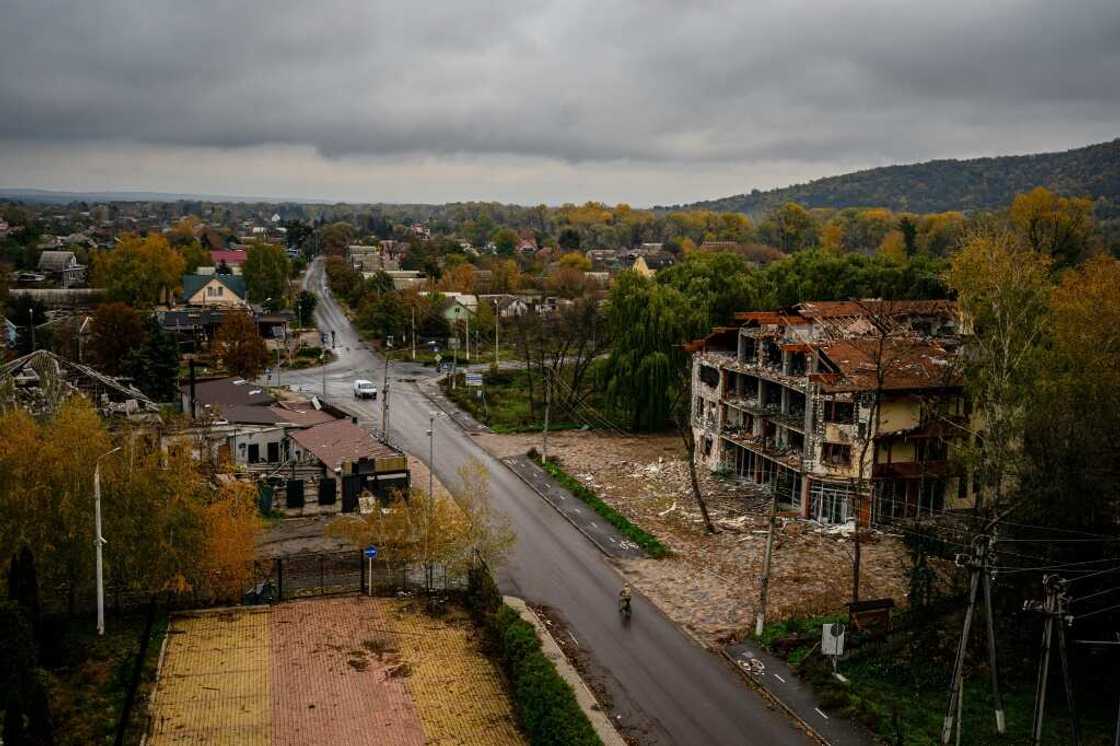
(1098, 611)
(1094, 595)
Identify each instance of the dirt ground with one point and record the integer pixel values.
(349, 670)
(711, 583)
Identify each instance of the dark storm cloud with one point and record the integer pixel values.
(656, 82)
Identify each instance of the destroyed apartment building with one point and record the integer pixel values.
(823, 401)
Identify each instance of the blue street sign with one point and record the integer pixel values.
(370, 552)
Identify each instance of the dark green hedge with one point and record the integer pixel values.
(546, 706)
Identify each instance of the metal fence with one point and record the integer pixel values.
(335, 573)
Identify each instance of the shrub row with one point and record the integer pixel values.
(647, 541)
(545, 704)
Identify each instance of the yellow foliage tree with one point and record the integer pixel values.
(139, 271)
(893, 246)
(832, 238)
(231, 528)
(1060, 227)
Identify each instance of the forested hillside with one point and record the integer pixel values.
(945, 185)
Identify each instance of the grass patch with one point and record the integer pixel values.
(308, 357)
(505, 405)
(647, 541)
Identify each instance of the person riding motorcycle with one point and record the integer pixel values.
(624, 599)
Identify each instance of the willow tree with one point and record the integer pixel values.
(648, 323)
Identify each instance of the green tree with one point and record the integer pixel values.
(266, 271)
(505, 239)
(154, 362)
(306, 302)
(789, 228)
(648, 322)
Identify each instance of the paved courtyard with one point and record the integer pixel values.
(347, 670)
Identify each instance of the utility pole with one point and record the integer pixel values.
(468, 335)
(496, 316)
(413, 336)
(547, 407)
(385, 402)
(323, 369)
(978, 562)
(760, 619)
(98, 539)
(1055, 606)
(278, 365)
(32, 312)
(431, 498)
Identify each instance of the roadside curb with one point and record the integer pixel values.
(448, 407)
(565, 516)
(600, 721)
(771, 697)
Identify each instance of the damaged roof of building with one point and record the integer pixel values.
(342, 440)
(35, 375)
(905, 363)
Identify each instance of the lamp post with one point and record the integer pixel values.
(98, 539)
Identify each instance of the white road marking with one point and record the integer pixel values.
(821, 713)
(573, 638)
(779, 678)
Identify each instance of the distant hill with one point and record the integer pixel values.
(938, 186)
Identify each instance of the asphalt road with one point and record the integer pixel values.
(662, 686)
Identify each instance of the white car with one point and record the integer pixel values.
(364, 389)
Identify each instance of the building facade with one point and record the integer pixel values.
(825, 403)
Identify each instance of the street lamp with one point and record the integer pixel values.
(98, 539)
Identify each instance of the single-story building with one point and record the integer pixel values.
(213, 290)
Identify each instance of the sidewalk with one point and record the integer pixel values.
(589, 523)
(430, 388)
(774, 676)
(602, 724)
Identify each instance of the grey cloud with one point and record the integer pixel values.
(648, 82)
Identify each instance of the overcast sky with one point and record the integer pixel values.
(646, 102)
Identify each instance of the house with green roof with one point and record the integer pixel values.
(213, 290)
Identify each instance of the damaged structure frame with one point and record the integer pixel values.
(828, 401)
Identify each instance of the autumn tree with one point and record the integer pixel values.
(139, 271)
(239, 346)
(1003, 288)
(266, 272)
(789, 228)
(1073, 423)
(231, 524)
(115, 329)
(1059, 227)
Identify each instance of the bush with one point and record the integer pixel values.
(647, 541)
(546, 706)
